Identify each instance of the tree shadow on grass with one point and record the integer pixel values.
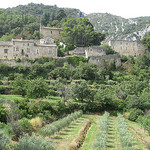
(58, 137)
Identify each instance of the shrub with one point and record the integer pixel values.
(101, 140)
(37, 88)
(125, 137)
(2, 114)
(36, 123)
(34, 143)
(56, 126)
(25, 125)
(4, 141)
(134, 114)
(2, 89)
(148, 145)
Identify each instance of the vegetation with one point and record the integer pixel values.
(80, 32)
(34, 142)
(101, 140)
(124, 134)
(40, 98)
(56, 126)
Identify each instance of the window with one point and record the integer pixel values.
(5, 51)
(22, 52)
(121, 47)
(51, 32)
(5, 56)
(37, 51)
(28, 44)
(49, 51)
(28, 50)
(17, 49)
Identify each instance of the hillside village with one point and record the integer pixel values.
(46, 47)
(72, 81)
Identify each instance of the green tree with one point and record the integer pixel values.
(45, 19)
(37, 88)
(80, 32)
(19, 85)
(109, 50)
(146, 42)
(61, 14)
(80, 91)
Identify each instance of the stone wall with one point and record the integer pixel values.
(89, 51)
(123, 47)
(95, 51)
(105, 60)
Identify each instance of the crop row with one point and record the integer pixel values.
(56, 126)
(125, 137)
(101, 140)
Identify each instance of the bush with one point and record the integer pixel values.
(148, 145)
(4, 141)
(134, 114)
(2, 89)
(34, 143)
(36, 123)
(37, 88)
(25, 125)
(2, 114)
(124, 58)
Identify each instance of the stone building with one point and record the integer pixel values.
(95, 51)
(89, 51)
(50, 33)
(105, 60)
(123, 47)
(19, 48)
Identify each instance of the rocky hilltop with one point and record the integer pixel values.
(116, 27)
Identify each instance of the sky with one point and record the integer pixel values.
(123, 8)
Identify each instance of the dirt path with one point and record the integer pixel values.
(67, 135)
(91, 135)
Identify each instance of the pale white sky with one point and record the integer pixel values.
(123, 8)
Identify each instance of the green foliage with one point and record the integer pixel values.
(145, 122)
(56, 126)
(25, 125)
(75, 61)
(19, 86)
(80, 32)
(134, 114)
(102, 135)
(4, 141)
(2, 113)
(109, 50)
(34, 143)
(2, 89)
(125, 137)
(124, 58)
(146, 42)
(37, 88)
(80, 91)
(148, 145)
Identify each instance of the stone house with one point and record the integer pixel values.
(19, 48)
(89, 51)
(124, 47)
